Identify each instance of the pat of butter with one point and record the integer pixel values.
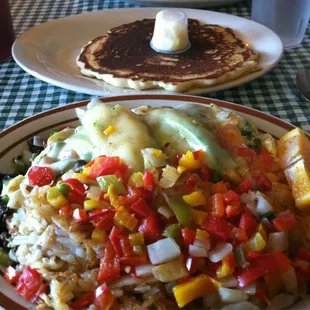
(170, 32)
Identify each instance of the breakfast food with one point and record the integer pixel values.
(124, 58)
(158, 208)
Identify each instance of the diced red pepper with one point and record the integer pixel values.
(263, 265)
(206, 173)
(77, 192)
(104, 299)
(133, 195)
(42, 289)
(261, 294)
(135, 260)
(80, 215)
(216, 205)
(141, 208)
(218, 228)
(233, 209)
(248, 223)
(241, 235)
(246, 152)
(191, 183)
(66, 211)
(150, 228)
(125, 246)
(230, 196)
(303, 253)
(191, 264)
(266, 160)
(253, 255)
(29, 283)
(11, 275)
(245, 186)
(148, 181)
(188, 236)
(284, 222)
(115, 236)
(41, 176)
(109, 264)
(104, 165)
(84, 301)
(102, 218)
(219, 188)
(263, 183)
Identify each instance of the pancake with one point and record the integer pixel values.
(124, 58)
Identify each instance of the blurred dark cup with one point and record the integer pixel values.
(7, 36)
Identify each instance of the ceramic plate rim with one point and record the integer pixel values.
(77, 83)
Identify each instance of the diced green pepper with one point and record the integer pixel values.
(181, 209)
(247, 131)
(240, 258)
(173, 231)
(5, 199)
(107, 180)
(4, 258)
(215, 176)
(19, 166)
(63, 188)
(256, 144)
(268, 215)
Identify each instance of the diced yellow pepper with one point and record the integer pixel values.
(136, 179)
(195, 199)
(14, 184)
(225, 269)
(157, 152)
(91, 204)
(55, 197)
(110, 129)
(181, 169)
(189, 162)
(202, 235)
(262, 231)
(257, 243)
(136, 239)
(99, 235)
(232, 175)
(138, 249)
(199, 217)
(83, 178)
(272, 177)
(126, 219)
(112, 196)
(200, 286)
(86, 170)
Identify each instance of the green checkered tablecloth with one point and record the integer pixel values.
(22, 95)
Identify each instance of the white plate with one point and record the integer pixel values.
(184, 3)
(48, 51)
(14, 140)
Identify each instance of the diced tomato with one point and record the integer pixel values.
(303, 253)
(104, 165)
(284, 222)
(248, 223)
(66, 211)
(263, 265)
(230, 196)
(191, 183)
(246, 152)
(102, 218)
(266, 160)
(77, 192)
(114, 237)
(135, 260)
(263, 183)
(42, 289)
(150, 228)
(218, 228)
(233, 209)
(29, 283)
(191, 264)
(141, 208)
(253, 255)
(41, 176)
(104, 299)
(216, 205)
(206, 173)
(80, 215)
(245, 186)
(188, 236)
(109, 264)
(11, 275)
(148, 181)
(84, 301)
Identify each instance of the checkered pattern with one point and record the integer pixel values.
(22, 95)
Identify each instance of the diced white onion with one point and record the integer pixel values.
(249, 199)
(278, 242)
(117, 292)
(165, 183)
(169, 177)
(165, 211)
(263, 205)
(282, 301)
(220, 251)
(151, 293)
(290, 280)
(163, 251)
(151, 157)
(228, 295)
(130, 281)
(245, 305)
(250, 289)
(197, 251)
(144, 270)
(203, 244)
(94, 193)
(229, 281)
(69, 174)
